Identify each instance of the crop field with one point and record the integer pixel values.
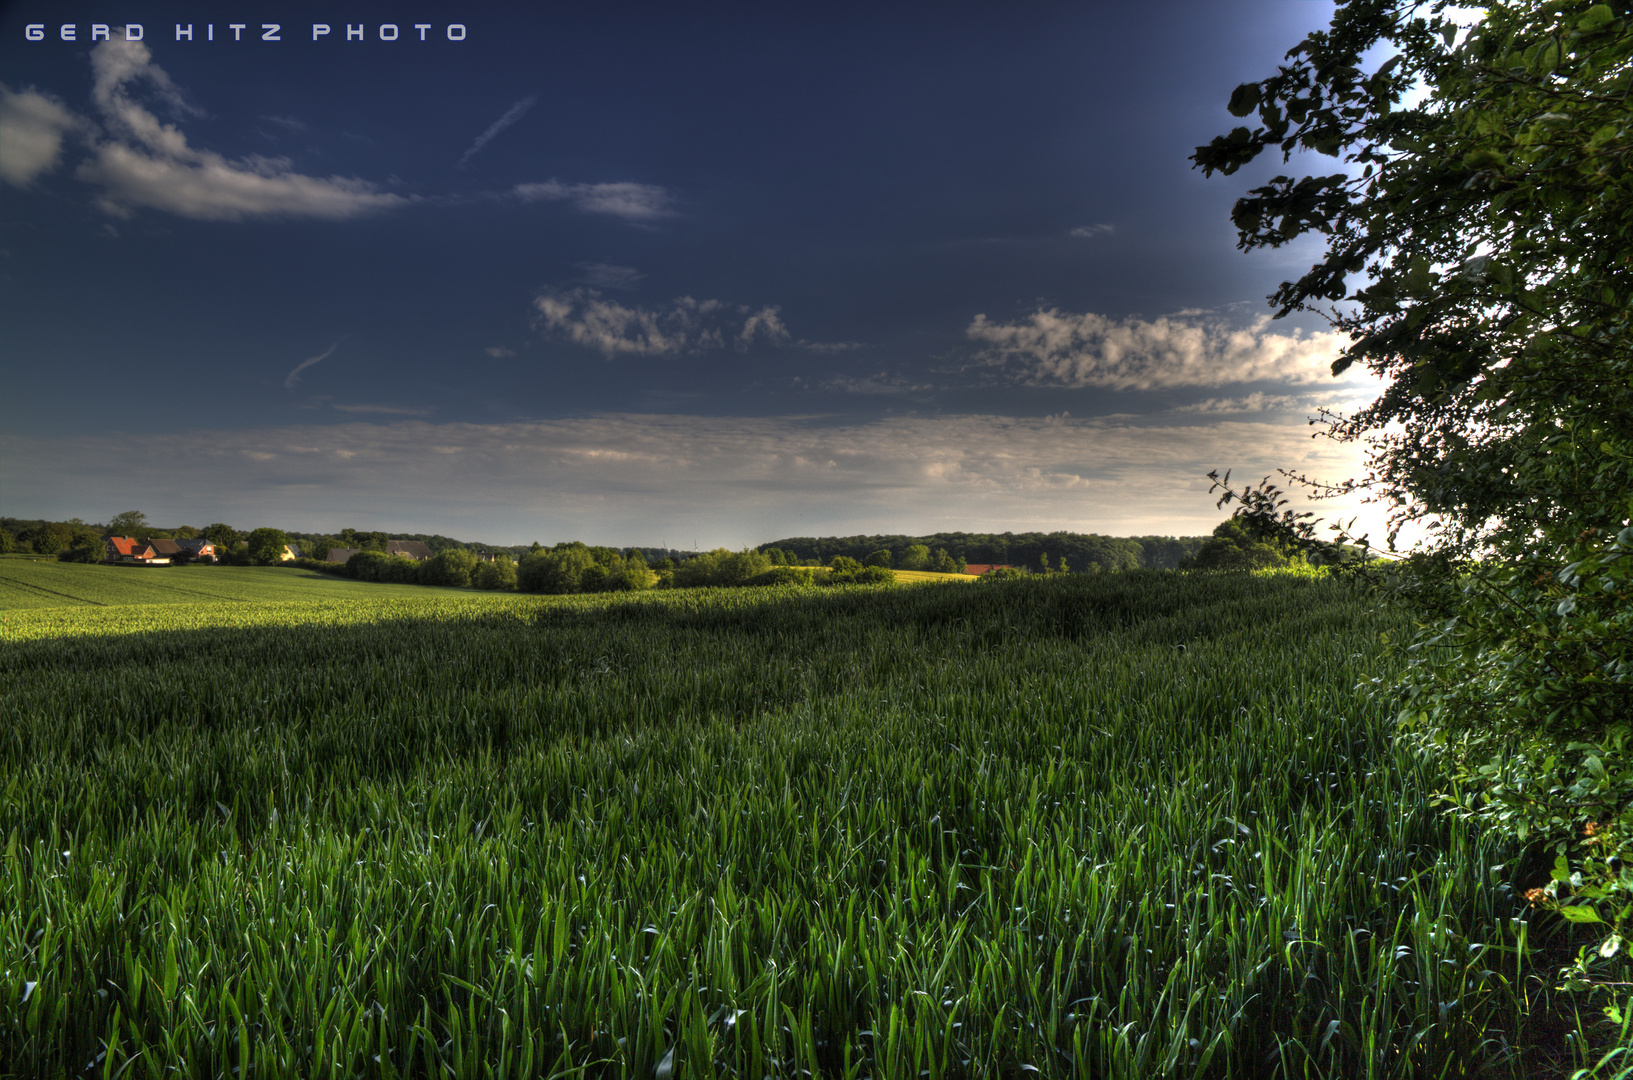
(36, 583)
(1127, 825)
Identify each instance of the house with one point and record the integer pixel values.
(196, 550)
(341, 554)
(166, 549)
(291, 552)
(130, 551)
(413, 549)
(979, 568)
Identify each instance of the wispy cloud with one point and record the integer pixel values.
(144, 162)
(881, 382)
(1055, 348)
(294, 376)
(513, 114)
(32, 127)
(1258, 401)
(384, 410)
(499, 352)
(626, 199)
(1089, 232)
(684, 325)
(604, 275)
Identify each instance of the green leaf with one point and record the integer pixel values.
(1578, 914)
(1597, 16)
(1244, 99)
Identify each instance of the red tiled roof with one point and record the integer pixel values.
(979, 568)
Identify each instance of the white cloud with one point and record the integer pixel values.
(1056, 348)
(513, 114)
(32, 126)
(723, 480)
(604, 275)
(499, 352)
(684, 325)
(1089, 232)
(294, 376)
(148, 163)
(628, 200)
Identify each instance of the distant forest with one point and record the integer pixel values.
(1081, 552)
(1075, 552)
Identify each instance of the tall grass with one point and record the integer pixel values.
(1119, 826)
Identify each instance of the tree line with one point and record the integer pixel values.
(1035, 551)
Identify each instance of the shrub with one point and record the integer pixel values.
(82, 552)
(365, 565)
(452, 567)
(498, 574)
(721, 567)
(561, 569)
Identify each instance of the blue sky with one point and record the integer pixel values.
(644, 274)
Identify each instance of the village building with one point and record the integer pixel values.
(979, 568)
(133, 552)
(197, 550)
(413, 549)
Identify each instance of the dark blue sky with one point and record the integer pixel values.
(642, 272)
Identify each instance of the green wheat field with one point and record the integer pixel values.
(1125, 825)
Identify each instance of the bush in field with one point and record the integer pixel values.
(561, 569)
(916, 557)
(83, 552)
(721, 568)
(47, 539)
(1234, 547)
(783, 575)
(628, 574)
(498, 574)
(452, 567)
(322, 566)
(1004, 573)
(860, 575)
(844, 564)
(365, 565)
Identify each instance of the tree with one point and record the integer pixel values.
(221, 535)
(47, 538)
(1234, 547)
(1491, 223)
(498, 574)
(450, 566)
(878, 558)
(129, 523)
(266, 546)
(560, 569)
(916, 557)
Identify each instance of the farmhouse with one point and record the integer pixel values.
(198, 550)
(342, 554)
(414, 549)
(129, 550)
